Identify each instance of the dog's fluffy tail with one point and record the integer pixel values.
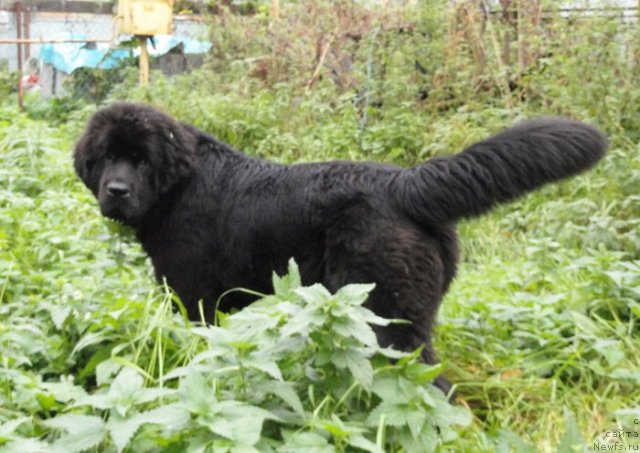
(499, 169)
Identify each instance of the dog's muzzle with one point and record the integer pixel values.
(118, 189)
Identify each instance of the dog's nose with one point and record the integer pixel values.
(118, 189)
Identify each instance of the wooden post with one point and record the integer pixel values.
(144, 60)
(27, 33)
(520, 34)
(275, 9)
(529, 16)
(506, 39)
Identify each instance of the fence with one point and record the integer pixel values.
(24, 28)
(510, 30)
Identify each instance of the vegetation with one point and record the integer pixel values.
(540, 331)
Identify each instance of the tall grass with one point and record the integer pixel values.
(539, 332)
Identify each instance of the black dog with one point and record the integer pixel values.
(212, 218)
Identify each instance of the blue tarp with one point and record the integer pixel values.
(68, 57)
(164, 43)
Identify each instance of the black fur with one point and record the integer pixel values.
(212, 218)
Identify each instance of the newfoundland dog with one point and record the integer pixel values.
(212, 218)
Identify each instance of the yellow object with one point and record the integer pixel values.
(146, 17)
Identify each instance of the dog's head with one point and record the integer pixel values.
(130, 155)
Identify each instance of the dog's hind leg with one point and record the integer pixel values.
(410, 276)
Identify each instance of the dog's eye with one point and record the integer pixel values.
(138, 158)
(88, 166)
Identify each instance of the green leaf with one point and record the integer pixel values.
(89, 339)
(100, 356)
(303, 322)
(84, 431)
(393, 388)
(620, 277)
(585, 323)
(509, 442)
(572, 440)
(105, 370)
(262, 363)
(286, 392)
(236, 421)
(610, 350)
(217, 425)
(371, 318)
(172, 417)
(337, 428)
(121, 430)
(127, 390)
(123, 392)
(65, 391)
(455, 415)
(416, 421)
(242, 449)
(422, 373)
(395, 414)
(359, 366)
(282, 286)
(59, 314)
(46, 401)
(354, 328)
(354, 294)
(196, 394)
(74, 423)
(22, 445)
(126, 383)
(316, 295)
(425, 442)
(359, 441)
(7, 428)
(307, 442)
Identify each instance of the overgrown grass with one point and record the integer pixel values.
(539, 331)
(95, 358)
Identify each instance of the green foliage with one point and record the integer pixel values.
(84, 86)
(8, 80)
(539, 332)
(85, 368)
(300, 366)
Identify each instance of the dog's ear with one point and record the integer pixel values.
(84, 159)
(178, 155)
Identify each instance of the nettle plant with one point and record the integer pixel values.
(300, 370)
